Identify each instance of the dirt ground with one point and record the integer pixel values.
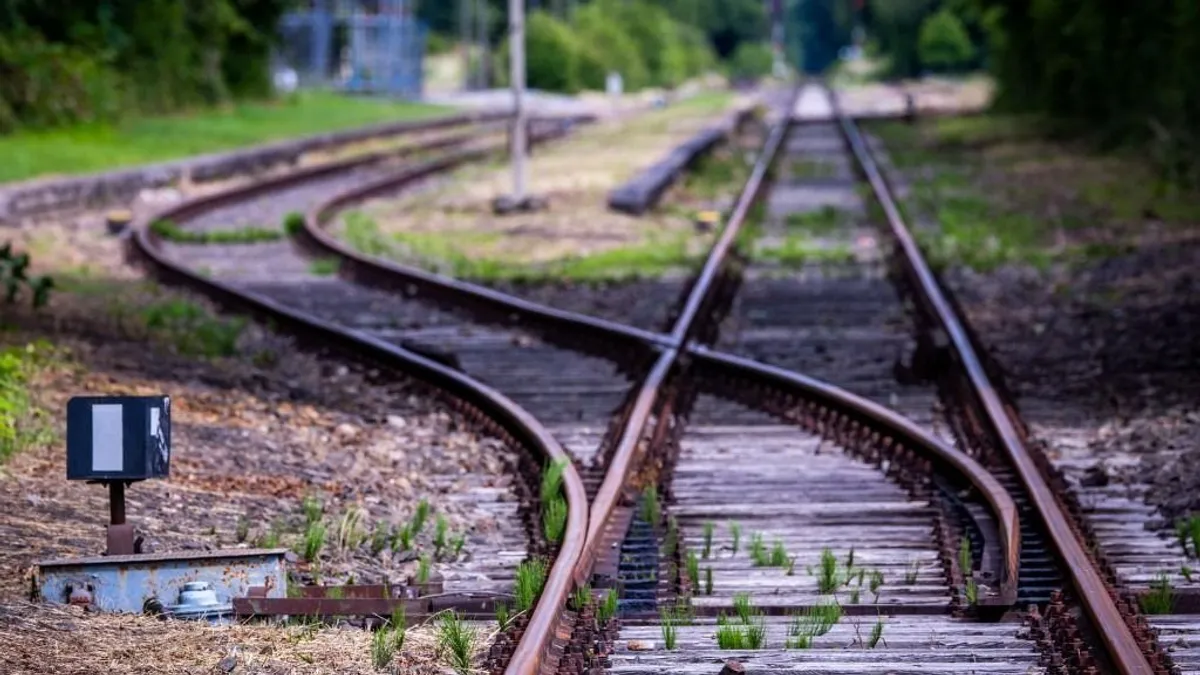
(39, 640)
(258, 429)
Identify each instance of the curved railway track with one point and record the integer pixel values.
(836, 470)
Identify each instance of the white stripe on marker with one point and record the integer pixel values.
(108, 437)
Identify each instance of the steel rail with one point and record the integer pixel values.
(1120, 643)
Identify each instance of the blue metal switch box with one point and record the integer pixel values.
(118, 438)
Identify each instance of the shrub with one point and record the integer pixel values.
(552, 55)
(751, 61)
(44, 84)
(605, 38)
(944, 44)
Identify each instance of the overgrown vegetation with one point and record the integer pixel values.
(1160, 599)
(62, 64)
(749, 631)
(191, 329)
(16, 280)
(531, 577)
(243, 235)
(21, 422)
(444, 253)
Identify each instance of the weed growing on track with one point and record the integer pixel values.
(350, 533)
(693, 568)
(735, 530)
(828, 579)
(742, 606)
(552, 479)
(876, 584)
(383, 648)
(651, 508)
(814, 621)
(325, 267)
(607, 609)
(293, 223)
(910, 574)
(22, 423)
(424, 568)
(1187, 571)
(251, 234)
(531, 576)
(312, 509)
(669, 631)
(1188, 530)
(420, 516)
(457, 543)
(554, 519)
(671, 541)
(380, 537)
(708, 538)
(581, 597)
(876, 634)
(457, 641)
(402, 539)
(242, 530)
(749, 633)
(824, 220)
(1160, 599)
(779, 556)
(440, 531)
(758, 550)
(502, 614)
(314, 540)
(964, 562)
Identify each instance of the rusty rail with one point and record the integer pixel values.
(1093, 592)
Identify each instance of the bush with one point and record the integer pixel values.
(605, 38)
(751, 61)
(944, 44)
(44, 84)
(699, 56)
(552, 56)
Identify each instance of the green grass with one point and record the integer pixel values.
(191, 329)
(97, 147)
(325, 267)
(798, 249)
(242, 235)
(824, 220)
(21, 422)
(531, 577)
(444, 253)
(1160, 599)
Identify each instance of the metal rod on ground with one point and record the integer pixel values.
(116, 502)
(516, 14)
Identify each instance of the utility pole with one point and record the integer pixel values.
(520, 201)
(516, 47)
(464, 41)
(481, 30)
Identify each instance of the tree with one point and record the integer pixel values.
(943, 44)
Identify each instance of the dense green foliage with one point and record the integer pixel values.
(637, 39)
(943, 43)
(650, 42)
(751, 60)
(64, 62)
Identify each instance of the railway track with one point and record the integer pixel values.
(809, 472)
